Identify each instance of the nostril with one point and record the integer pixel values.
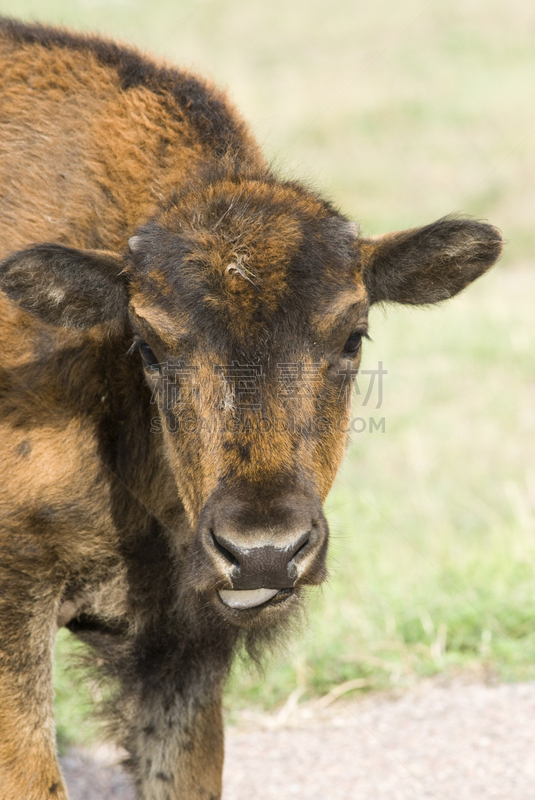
(299, 545)
(224, 552)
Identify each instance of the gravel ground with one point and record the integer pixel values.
(450, 742)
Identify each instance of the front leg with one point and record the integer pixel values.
(28, 765)
(166, 708)
(176, 746)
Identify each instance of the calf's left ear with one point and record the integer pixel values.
(430, 264)
(67, 287)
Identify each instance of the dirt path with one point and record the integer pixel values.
(455, 742)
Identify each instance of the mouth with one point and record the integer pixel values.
(251, 598)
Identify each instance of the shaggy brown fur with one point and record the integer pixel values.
(172, 412)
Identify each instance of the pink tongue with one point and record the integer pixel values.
(246, 598)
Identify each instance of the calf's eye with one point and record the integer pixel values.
(147, 355)
(352, 345)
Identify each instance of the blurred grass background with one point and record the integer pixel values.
(400, 113)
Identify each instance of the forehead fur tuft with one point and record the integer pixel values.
(239, 269)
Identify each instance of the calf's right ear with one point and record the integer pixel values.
(67, 287)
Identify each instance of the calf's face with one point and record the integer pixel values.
(248, 304)
(249, 310)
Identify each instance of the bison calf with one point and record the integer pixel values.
(178, 325)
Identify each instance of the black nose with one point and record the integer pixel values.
(265, 566)
(253, 537)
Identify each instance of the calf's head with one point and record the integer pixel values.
(248, 303)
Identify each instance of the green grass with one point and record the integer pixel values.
(400, 112)
(76, 694)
